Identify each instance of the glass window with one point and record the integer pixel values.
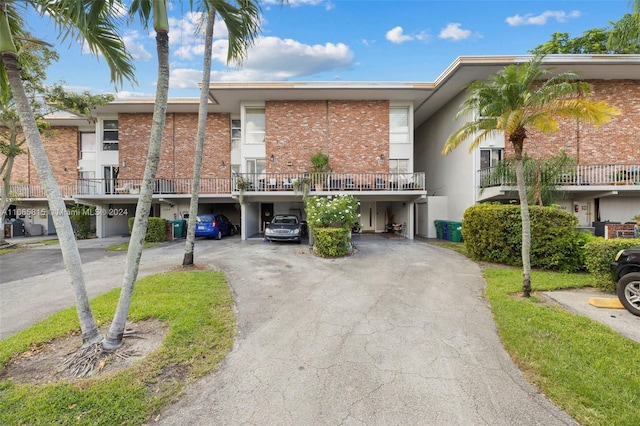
(399, 125)
(236, 134)
(490, 157)
(110, 135)
(254, 125)
(87, 146)
(398, 166)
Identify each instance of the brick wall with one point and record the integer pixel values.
(611, 143)
(352, 133)
(178, 145)
(61, 146)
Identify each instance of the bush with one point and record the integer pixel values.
(332, 212)
(493, 233)
(81, 216)
(598, 256)
(331, 242)
(156, 229)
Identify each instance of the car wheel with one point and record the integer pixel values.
(219, 235)
(232, 231)
(629, 292)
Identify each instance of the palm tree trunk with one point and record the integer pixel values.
(68, 246)
(202, 122)
(113, 340)
(526, 220)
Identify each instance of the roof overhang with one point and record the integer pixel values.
(427, 98)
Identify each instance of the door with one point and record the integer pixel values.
(110, 179)
(266, 213)
(368, 216)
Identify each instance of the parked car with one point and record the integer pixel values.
(213, 225)
(626, 272)
(284, 227)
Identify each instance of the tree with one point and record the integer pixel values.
(543, 177)
(145, 9)
(243, 25)
(626, 31)
(94, 23)
(521, 97)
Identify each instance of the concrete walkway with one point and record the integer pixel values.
(398, 333)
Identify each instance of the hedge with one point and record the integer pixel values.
(156, 229)
(493, 233)
(599, 254)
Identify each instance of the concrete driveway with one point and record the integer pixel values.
(397, 334)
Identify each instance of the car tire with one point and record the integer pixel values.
(232, 231)
(219, 235)
(628, 290)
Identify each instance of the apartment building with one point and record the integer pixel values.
(383, 141)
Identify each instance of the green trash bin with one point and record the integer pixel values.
(455, 231)
(179, 228)
(439, 229)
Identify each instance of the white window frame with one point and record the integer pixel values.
(250, 135)
(403, 133)
(110, 144)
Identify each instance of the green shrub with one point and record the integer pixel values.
(493, 233)
(331, 242)
(81, 216)
(156, 229)
(337, 211)
(600, 253)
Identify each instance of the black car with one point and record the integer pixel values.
(284, 227)
(626, 272)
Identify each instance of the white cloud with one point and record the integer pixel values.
(137, 49)
(396, 35)
(454, 32)
(271, 59)
(530, 19)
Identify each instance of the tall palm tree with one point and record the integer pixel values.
(93, 22)
(243, 25)
(146, 10)
(514, 100)
(627, 29)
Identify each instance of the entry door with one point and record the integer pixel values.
(368, 216)
(266, 213)
(110, 179)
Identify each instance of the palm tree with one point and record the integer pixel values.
(626, 30)
(144, 8)
(542, 176)
(243, 25)
(515, 99)
(93, 22)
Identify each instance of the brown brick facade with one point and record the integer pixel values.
(61, 146)
(611, 143)
(352, 133)
(178, 145)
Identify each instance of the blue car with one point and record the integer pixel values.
(213, 225)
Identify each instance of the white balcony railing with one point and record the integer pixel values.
(589, 174)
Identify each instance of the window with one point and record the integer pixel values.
(236, 134)
(490, 157)
(254, 125)
(110, 135)
(87, 146)
(398, 166)
(399, 125)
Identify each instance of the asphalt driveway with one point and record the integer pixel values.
(398, 333)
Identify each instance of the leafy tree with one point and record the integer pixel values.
(519, 97)
(94, 23)
(543, 177)
(243, 25)
(627, 30)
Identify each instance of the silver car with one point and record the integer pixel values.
(284, 227)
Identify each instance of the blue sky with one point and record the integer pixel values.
(338, 40)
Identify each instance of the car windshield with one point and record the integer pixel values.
(292, 220)
(204, 218)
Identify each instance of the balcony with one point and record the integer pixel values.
(329, 182)
(253, 183)
(618, 175)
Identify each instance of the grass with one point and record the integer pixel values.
(197, 308)
(125, 246)
(582, 366)
(26, 245)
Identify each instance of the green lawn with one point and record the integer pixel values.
(197, 308)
